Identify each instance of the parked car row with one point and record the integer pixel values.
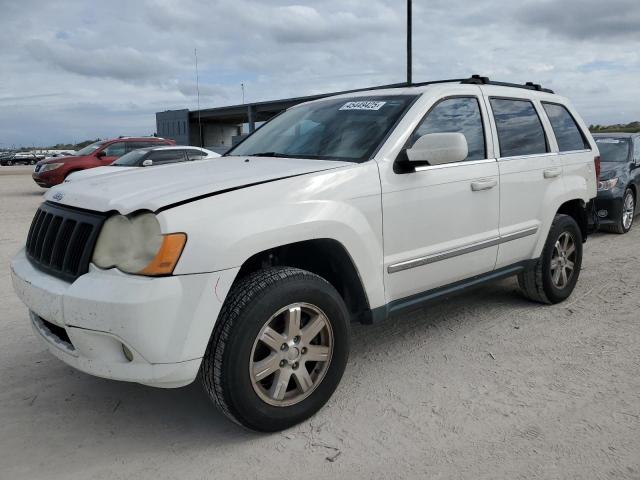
(245, 272)
(20, 158)
(53, 171)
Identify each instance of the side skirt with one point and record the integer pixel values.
(431, 296)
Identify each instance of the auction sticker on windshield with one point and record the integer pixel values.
(363, 105)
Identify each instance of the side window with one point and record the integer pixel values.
(195, 154)
(520, 131)
(636, 150)
(567, 132)
(459, 115)
(167, 156)
(131, 146)
(115, 149)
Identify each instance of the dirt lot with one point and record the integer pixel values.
(485, 386)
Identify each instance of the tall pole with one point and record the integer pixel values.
(195, 53)
(409, 53)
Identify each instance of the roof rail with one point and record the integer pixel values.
(480, 80)
(474, 79)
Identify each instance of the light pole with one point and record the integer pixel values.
(409, 53)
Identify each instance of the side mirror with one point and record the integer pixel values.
(439, 148)
(147, 163)
(101, 154)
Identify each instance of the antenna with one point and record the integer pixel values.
(195, 53)
(409, 42)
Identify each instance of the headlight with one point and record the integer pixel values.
(134, 244)
(607, 184)
(50, 166)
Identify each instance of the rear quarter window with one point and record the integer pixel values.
(568, 134)
(520, 130)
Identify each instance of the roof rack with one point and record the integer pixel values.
(480, 80)
(474, 79)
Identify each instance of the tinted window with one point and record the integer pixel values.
(459, 115)
(167, 156)
(568, 134)
(335, 129)
(115, 149)
(520, 131)
(131, 159)
(89, 149)
(130, 146)
(636, 150)
(195, 154)
(613, 149)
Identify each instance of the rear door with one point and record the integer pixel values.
(530, 174)
(195, 154)
(575, 154)
(162, 157)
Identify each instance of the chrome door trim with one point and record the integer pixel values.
(455, 164)
(473, 247)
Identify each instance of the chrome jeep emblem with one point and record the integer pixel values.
(58, 196)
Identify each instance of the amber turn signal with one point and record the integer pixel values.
(168, 255)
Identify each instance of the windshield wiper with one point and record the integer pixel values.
(265, 154)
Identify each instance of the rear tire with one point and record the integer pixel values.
(627, 213)
(554, 275)
(9, 163)
(258, 368)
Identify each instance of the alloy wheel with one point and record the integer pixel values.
(563, 260)
(291, 354)
(628, 210)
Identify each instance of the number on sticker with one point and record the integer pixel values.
(363, 105)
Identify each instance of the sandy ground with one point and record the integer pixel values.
(483, 386)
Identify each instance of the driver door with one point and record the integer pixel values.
(441, 222)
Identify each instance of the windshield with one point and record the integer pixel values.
(613, 149)
(338, 129)
(89, 149)
(131, 159)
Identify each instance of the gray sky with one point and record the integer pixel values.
(74, 70)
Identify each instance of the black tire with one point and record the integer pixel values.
(536, 281)
(32, 162)
(619, 227)
(250, 304)
(9, 163)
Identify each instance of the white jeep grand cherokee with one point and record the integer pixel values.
(248, 270)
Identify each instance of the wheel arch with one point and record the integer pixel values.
(325, 257)
(577, 209)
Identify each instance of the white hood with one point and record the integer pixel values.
(92, 172)
(154, 188)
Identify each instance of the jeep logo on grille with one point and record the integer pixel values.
(58, 196)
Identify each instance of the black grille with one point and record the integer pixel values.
(61, 240)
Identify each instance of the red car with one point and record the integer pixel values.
(52, 171)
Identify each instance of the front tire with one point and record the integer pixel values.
(278, 350)
(552, 278)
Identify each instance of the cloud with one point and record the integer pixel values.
(109, 62)
(585, 19)
(97, 69)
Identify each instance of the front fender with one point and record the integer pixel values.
(225, 230)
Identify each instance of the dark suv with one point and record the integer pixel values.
(619, 183)
(53, 171)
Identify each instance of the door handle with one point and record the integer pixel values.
(480, 185)
(552, 172)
